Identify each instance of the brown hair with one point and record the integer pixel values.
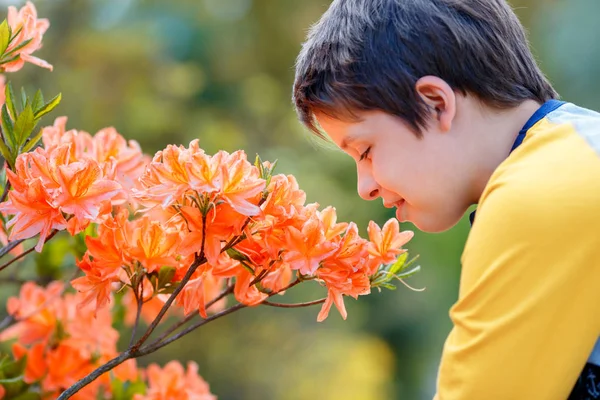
(368, 54)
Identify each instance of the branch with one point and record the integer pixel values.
(187, 319)
(6, 249)
(157, 344)
(77, 386)
(139, 299)
(151, 348)
(7, 321)
(17, 258)
(296, 305)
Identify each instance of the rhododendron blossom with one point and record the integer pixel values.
(30, 28)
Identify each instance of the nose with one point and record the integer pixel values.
(368, 188)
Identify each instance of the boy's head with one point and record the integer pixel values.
(405, 87)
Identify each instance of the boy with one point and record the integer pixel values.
(442, 105)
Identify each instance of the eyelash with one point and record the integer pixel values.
(365, 154)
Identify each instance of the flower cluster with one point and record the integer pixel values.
(63, 343)
(71, 182)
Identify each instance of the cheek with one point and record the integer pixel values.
(387, 172)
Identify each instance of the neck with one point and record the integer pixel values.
(497, 137)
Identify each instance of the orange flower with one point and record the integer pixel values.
(244, 293)
(198, 292)
(241, 183)
(386, 242)
(80, 143)
(32, 212)
(87, 330)
(83, 189)
(66, 365)
(173, 382)
(97, 283)
(31, 28)
(285, 198)
(308, 247)
(33, 310)
(341, 282)
(36, 367)
(151, 243)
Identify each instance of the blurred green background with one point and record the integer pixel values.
(169, 71)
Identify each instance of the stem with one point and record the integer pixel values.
(7, 321)
(17, 258)
(151, 348)
(5, 192)
(161, 342)
(187, 319)
(6, 249)
(77, 386)
(200, 259)
(296, 305)
(139, 298)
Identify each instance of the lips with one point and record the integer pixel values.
(395, 204)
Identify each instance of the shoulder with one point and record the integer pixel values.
(554, 176)
(544, 197)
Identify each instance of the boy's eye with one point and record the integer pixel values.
(365, 154)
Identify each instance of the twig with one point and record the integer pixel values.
(7, 321)
(139, 298)
(158, 345)
(193, 315)
(6, 249)
(296, 305)
(77, 386)
(17, 258)
(151, 348)
(5, 192)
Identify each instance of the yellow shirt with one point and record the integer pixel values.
(528, 313)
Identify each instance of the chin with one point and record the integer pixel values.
(434, 223)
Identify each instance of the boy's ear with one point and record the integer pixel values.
(440, 98)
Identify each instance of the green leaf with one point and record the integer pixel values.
(407, 274)
(9, 94)
(14, 367)
(11, 380)
(4, 36)
(388, 286)
(236, 255)
(165, 276)
(49, 106)
(8, 128)
(23, 98)
(6, 154)
(170, 289)
(19, 47)
(24, 125)
(398, 265)
(133, 388)
(38, 101)
(33, 141)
